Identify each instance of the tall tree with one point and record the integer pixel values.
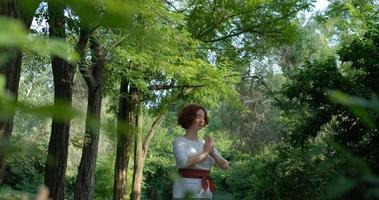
(93, 75)
(126, 127)
(138, 157)
(11, 69)
(141, 146)
(63, 74)
(96, 17)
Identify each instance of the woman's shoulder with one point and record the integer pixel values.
(183, 139)
(179, 139)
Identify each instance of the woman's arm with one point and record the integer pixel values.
(220, 161)
(184, 161)
(196, 159)
(207, 148)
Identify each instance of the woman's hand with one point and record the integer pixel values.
(220, 161)
(207, 148)
(224, 165)
(208, 145)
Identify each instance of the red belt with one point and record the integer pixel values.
(204, 175)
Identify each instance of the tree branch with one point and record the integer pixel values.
(116, 43)
(176, 10)
(80, 48)
(172, 86)
(215, 25)
(152, 131)
(253, 28)
(98, 62)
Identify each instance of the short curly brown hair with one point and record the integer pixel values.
(188, 114)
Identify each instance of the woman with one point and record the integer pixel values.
(194, 158)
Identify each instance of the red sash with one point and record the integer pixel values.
(204, 175)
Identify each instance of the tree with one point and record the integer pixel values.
(63, 73)
(126, 126)
(254, 124)
(245, 36)
(349, 18)
(11, 69)
(94, 78)
(308, 91)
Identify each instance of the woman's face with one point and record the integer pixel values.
(199, 121)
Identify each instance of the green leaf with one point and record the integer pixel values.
(346, 100)
(339, 186)
(2, 85)
(14, 35)
(357, 106)
(374, 192)
(61, 111)
(363, 115)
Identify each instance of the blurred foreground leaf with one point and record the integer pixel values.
(2, 84)
(340, 185)
(357, 105)
(356, 175)
(13, 34)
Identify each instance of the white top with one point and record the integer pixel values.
(183, 148)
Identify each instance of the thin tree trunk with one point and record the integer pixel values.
(140, 151)
(63, 74)
(125, 129)
(11, 70)
(138, 158)
(85, 181)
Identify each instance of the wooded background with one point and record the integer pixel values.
(89, 92)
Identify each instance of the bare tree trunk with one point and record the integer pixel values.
(125, 129)
(11, 70)
(138, 157)
(63, 74)
(140, 151)
(85, 181)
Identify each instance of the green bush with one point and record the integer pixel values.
(159, 172)
(104, 177)
(25, 171)
(7, 193)
(282, 172)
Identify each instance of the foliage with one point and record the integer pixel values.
(159, 171)
(282, 172)
(158, 177)
(26, 168)
(104, 177)
(218, 20)
(308, 99)
(313, 43)
(168, 60)
(307, 92)
(10, 194)
(349, 18)
(200, 50)
(13, 34)
(256, 123)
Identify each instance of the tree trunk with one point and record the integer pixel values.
(11, 70)
(140, 151)
(63, 74)
(125, 129)
(138, 157)
(85, 181)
